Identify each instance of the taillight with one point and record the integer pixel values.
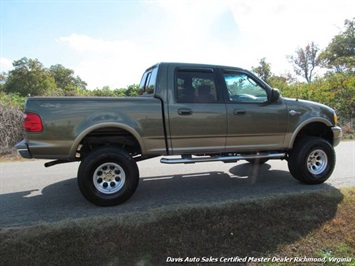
(32, 123)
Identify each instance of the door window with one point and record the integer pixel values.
(242, 88)
(195, 86)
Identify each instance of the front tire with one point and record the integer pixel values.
(312, 160)
(108, 176)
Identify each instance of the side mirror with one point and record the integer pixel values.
(275, 95)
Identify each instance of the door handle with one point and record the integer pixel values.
(239, 112)
(184, 111)
(293, 112)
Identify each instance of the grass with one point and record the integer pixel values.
(310, 224)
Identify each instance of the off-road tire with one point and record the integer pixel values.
(312, 160)
(108, 176)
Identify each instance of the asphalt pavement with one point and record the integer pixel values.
(32, 194)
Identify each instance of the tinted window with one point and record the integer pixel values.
(195, 86)
(143, 81)
(148, 81)
(242, 88)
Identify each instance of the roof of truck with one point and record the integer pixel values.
(195, 65)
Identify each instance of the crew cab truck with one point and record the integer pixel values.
(195, 112)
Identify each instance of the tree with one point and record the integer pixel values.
(65, 79)
(104, 92)
(29, 77)
(340, 53)
(3, 77)
(133, 90)
(263, 71)
(305, 61)
(342, 88)
(278, 82)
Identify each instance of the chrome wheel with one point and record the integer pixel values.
(317, 162)
(109, 178)
(311, 160)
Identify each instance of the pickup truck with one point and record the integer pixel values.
(186, 113)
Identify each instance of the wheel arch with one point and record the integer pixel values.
(312, 128)
(113, 128)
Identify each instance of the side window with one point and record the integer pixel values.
(143, 82)
(148, 81)
(242, 88)
(195, 86)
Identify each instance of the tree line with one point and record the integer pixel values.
(335, 88)
(30, 77)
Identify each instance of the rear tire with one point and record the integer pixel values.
(312, 160)
(108, 176)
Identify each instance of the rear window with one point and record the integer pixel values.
(147, 85)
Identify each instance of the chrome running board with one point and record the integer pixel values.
(218, 158)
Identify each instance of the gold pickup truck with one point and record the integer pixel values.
(202, 113)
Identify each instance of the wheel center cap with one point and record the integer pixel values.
(108, 177)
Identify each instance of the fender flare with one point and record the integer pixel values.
(90, 129)
(291, 140)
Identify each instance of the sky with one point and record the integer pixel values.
(111, 42)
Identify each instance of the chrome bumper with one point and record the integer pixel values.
(337, 135)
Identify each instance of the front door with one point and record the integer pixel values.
(254, 122)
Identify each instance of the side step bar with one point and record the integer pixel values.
(225, 159)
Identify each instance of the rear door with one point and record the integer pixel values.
(197, 112)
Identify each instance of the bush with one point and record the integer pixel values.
(12, 99)
(11, 130)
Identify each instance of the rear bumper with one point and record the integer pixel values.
(23, 150)
(337, 135)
